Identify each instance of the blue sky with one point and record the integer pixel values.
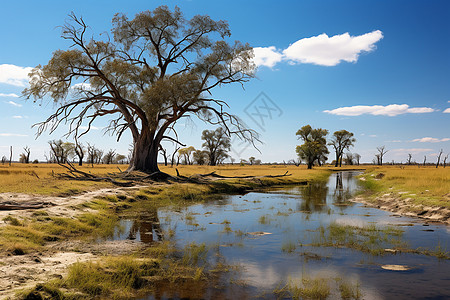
(380, 69)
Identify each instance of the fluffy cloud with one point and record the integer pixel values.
(266, 56)
(9, 95)
(379, 110)
(14, 104)
(329, 51)
(14, 75)
(431, 140)
(319, 50)
(447, 111)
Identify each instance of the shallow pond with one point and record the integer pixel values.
(306, 236)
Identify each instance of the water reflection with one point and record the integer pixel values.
(314, 197)
(146, 227)
(265, 266)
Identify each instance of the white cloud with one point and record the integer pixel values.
(330, 51)
(12, 134)
(431, 140)
(9, 95)
(447, 111)
(14, 75)
(14, 104)
(373, 135)
(378, 110)
(319, 50)
(17, 117)
(83, 86)
(266, 56)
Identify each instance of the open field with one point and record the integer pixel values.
(410, 190)
(39, 179)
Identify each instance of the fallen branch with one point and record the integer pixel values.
(76, 174)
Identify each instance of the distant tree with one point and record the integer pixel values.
(94, 155)
(232, 160)
(108, 158)
(408, 161)
(79, 152)
(200, 157)
(185, 153)
(119, 158)
(439, 157)
(4, 159)
(357, 158)
(164, 154)
(445, 159)
(296, 162)
(424, 160)
(217, 143)
(314, 147)
(341, 140)
(257, 162)
(155, 69)
(381, 152)
(251, 160)
(58, 151)
(348, 159)
(25, 156)
(172, 160)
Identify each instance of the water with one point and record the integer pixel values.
(269, 236)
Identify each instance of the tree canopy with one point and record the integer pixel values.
(342, 140)
(216, 144)
(156, 68)
(314, 149)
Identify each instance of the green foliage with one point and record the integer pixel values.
(314, 148)
(217, 143)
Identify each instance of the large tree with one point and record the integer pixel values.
(216, 144)
(341, 140)
(156, 68)
(314, 147)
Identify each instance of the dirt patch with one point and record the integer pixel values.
(18, 272)
(405, 206)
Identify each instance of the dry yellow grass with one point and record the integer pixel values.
(428, 180)
(39, 179)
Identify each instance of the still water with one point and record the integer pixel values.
(287, 234)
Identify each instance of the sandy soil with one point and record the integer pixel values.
(405, 206)
(18, 272)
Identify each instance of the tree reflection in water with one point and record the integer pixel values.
(314, 197)
(341, 194)
(147, 226)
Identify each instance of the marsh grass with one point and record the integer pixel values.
(319, 288)
(288, 246)
(368, 239)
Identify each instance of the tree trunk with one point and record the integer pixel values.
(145, 155)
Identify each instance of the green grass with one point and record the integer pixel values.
(368, 239)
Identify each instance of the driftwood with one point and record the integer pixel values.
(76, 174)
(13, 205)
(19, 207)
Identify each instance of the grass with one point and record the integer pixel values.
(370, 239)
(319, 288)
(428, 186)
(39, 179)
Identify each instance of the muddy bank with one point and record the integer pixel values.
(395, 203)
